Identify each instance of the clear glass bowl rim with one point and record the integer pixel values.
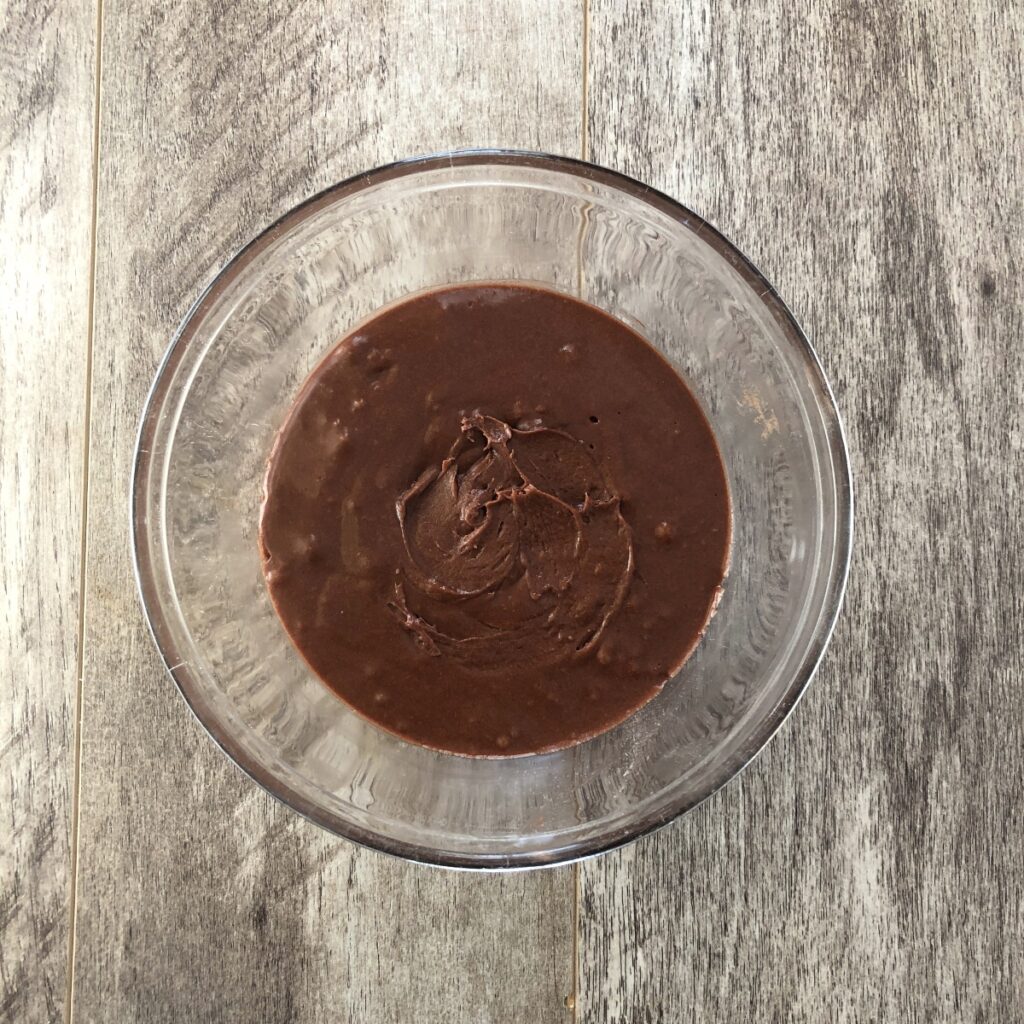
(145, 571)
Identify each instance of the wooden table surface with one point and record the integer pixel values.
(868, 867)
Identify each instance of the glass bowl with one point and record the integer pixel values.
(228, 380)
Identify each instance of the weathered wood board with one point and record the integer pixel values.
(199, 897)
(47, 85)
(869, 865)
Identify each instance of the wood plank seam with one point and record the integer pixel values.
(584, 137)
(585, 51)
(84, 523)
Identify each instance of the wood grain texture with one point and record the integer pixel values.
(46, 106)
(201, 899)
(869, 866)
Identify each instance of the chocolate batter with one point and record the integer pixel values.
(496, 520)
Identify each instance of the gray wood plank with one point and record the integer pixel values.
(46, 127)
(869, 865)
(200, 899)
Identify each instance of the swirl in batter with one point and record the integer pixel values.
(517, 548)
